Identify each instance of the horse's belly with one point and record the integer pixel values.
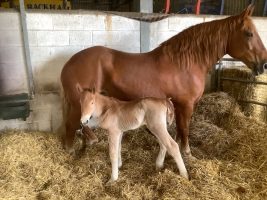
(131, 122)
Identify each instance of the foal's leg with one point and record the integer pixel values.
(172, 148)
(161, 156)
(114, 140)
(183, 117)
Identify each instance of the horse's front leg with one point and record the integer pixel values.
(114, 148)
(183, 117)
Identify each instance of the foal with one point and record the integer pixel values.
(118, 116)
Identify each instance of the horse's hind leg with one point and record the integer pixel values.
(172, 148)
(72, 124)
(161, 156)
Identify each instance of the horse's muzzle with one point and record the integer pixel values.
(85, 122)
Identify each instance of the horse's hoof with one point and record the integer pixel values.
(71, 151)
(189, 159)
(91, 141)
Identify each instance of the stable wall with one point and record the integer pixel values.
(54, 36)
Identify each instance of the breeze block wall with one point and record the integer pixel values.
(54, 36)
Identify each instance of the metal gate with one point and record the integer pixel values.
(238, 81)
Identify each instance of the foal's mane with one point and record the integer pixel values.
(203, 43)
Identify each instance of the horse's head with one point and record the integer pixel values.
(88, 105)
(245, 43)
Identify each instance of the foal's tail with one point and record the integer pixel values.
(170, 111)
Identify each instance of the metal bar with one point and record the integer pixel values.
(13, 101)
(252, 2)
(198, 5)
(243, 81)
(265, 8)
(253, 102)
(167, 6)
(219, 76)
(222, 7)
(26, 49)
(229, 59)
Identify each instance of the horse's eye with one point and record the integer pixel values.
(248, 34)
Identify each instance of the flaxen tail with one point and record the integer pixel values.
(170, 111)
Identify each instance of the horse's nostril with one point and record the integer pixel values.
(265, 66)
(87, 121)
(91, 117)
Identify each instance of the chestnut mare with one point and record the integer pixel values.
(119, 116)
(176, 69)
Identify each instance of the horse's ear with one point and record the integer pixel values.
(249, 10)
(79, 88)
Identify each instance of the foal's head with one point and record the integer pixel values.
(245, 43)
(88, 105)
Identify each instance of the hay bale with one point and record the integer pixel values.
(246, 92)
(231, 164)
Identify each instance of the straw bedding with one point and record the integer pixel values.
(230, 150)
(246, 92)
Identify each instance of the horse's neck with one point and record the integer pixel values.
(217, 43)
(103, 103)
(201, 45)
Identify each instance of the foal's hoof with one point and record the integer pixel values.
(159, 167)
(185, 175)
(110, 182)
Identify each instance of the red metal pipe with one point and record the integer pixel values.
(167, 6)
(198, 7)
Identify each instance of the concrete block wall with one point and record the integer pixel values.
(12, 67)
(55, 36)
